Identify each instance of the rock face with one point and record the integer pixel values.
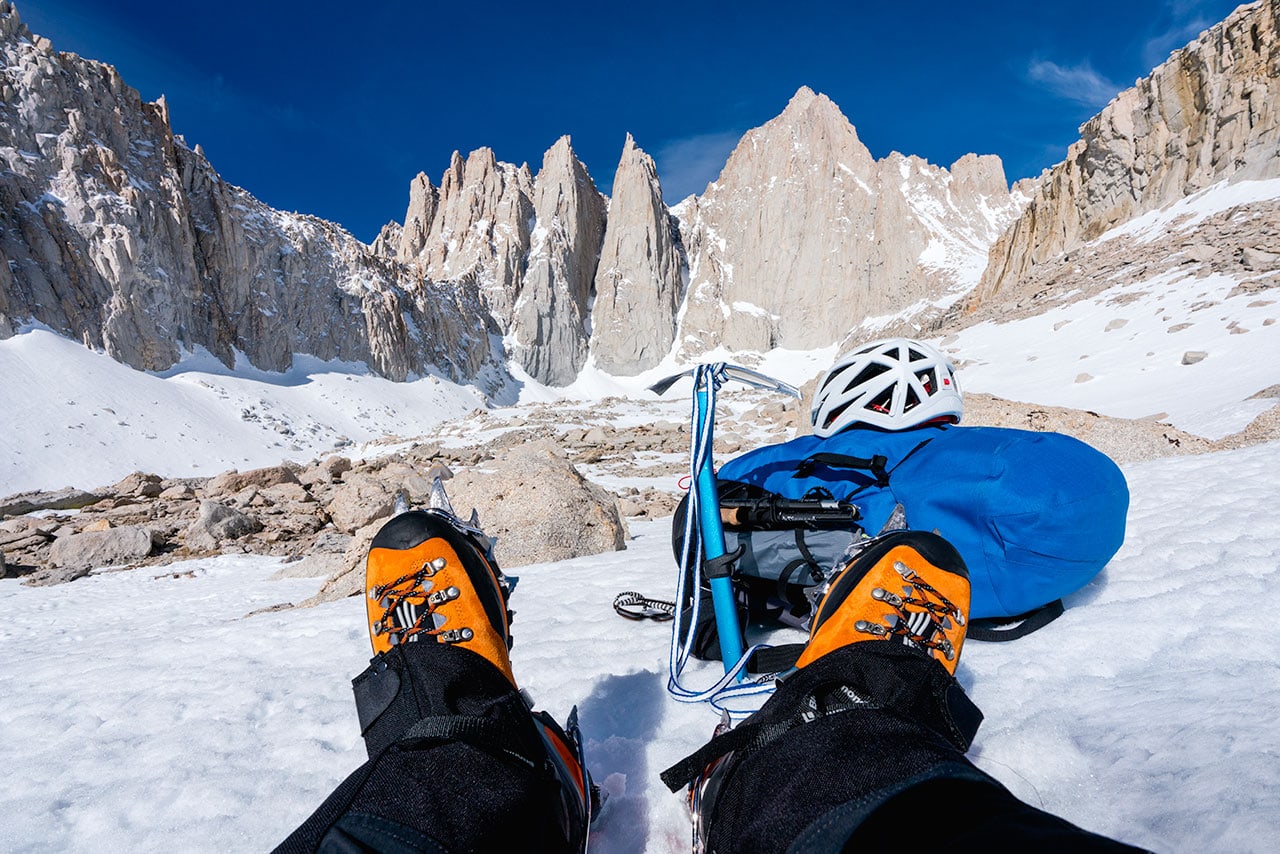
(549, 323)
(475, 228)
(638, 281)
(804, 236)
(1208, 114)
(117, 234)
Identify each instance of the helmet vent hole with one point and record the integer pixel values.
(915, 355)
(882, 402)
(867, 374)
(929, 380)
(913, 400)
(834, 414)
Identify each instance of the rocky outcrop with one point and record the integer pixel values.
(475, 228)
(216, 523)
(638, 281)
(119, 235)
(549, 330)
(424, 199)
(805, 237)
(1209, 113)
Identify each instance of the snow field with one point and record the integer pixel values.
(77, 417)
(1127, 360)
(144, 711)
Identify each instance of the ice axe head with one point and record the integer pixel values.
(718, 373)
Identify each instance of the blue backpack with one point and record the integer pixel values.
(1034, 515)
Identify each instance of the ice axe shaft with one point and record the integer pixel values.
(708, 378)
(711, 531)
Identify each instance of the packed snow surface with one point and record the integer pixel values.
(74, 417)
(144, 710)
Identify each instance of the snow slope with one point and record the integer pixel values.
(1131, 351)
(143, 711)
(76, 417)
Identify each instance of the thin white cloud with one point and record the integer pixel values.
(1157, 48)
(1189, 18)
(687, 165)
(1079, 83)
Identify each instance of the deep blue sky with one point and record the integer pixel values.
(332, 108)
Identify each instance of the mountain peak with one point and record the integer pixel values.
(802, 98)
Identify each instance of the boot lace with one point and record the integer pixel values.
(925, 600)
(408, 610)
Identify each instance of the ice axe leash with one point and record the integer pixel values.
(704, 554)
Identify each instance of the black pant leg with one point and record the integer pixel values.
(974, 816)
(440, 794)
(856, 749)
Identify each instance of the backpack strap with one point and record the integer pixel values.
(875, 465)
(1000, 629)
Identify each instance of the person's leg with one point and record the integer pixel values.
(865, 742)
(457, 761)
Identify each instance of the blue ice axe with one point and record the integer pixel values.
(707, 380)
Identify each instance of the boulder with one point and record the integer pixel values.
(139, 484)
(283, 493)
(177, 492)
(336, 466)
(348, 578)
(93, 549)
(61, 499)
(324, 472)
(538, 507)
(1259, 259)
(217, 523)
(232, 482)
(317, 565)
(359, 501)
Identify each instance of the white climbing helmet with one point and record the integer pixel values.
(893, 384)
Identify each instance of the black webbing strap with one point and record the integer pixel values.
(722, 567)
(774, 659)
(806, 560)
(486, 733)
(875, 465)
(1000, 629)
(743, 736)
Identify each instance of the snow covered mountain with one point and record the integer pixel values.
(851, 239)
(118, 235)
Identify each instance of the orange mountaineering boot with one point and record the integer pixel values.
(908, 587)
(432, 579)
(429, 578)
